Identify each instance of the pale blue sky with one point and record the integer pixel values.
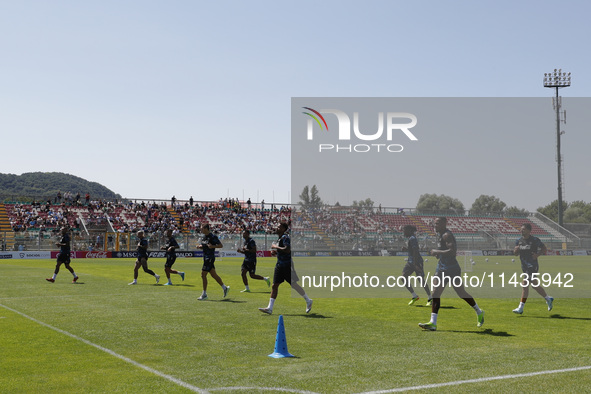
(154, 98)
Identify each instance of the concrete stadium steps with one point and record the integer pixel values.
(6, 233)
(177, 219)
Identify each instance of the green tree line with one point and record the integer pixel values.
(46, 185)
(574, 212)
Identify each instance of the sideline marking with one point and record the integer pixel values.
(479, 380)
(151, 370)
(264, 389)
(112, 353)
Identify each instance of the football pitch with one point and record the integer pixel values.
(101, 335)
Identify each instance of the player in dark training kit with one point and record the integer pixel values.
(142, 259)
(448, 269)
(529, 248)
(284, 271)
(414, 264)
(249, 249)
(64, 256)
(171, 247)
(209, 243)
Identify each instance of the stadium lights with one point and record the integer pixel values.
(556, 80)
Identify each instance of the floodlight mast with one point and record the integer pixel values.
(556, 80)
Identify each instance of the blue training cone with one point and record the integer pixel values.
(280, 342)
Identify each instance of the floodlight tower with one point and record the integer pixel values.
(558, 79)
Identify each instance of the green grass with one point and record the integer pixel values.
(345, 345)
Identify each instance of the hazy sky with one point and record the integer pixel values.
(155, 98)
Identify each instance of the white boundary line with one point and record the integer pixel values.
(479, 380)
(263, 389)
(152, 370)
(202, 391)
(112, 353)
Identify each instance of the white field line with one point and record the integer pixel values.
(112, 353)
(238, 388)
(152, 370)
(479, 380)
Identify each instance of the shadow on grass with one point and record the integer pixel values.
(557, 316)
(310, 316)
(487, 331)
(229, 300)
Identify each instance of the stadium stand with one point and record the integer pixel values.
(332, 228)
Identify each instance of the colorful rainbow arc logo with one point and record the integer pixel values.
(315, 118)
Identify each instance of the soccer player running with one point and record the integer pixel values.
(142, 258)
(63, 256)
(284, 269)
(529, 248)
(414, 264)
(448, 269)
(249, 249)
(209, 243)
(170, 247)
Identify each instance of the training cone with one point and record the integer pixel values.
(280, 342)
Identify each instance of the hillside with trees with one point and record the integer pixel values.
(45, 185)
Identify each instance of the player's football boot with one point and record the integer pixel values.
(428, 326)
(549, 301)
(309, 306)
(519, 311)
(50, 280)
(414, 299)
(182, 274)
(480, 319)
(266, 310)
(226, 291)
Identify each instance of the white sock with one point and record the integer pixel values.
(73, 273)
(306, 297)
(414, 295)
(433, 318)
(54, 276)
(271, 303)
(247, 288)
(204, 294)
(477, 309)
(547, 298)
(521, 305)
